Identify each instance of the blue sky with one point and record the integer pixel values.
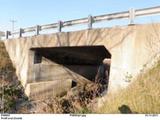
(34, 12)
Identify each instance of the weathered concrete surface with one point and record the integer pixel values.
(131, 48)
(42, 90)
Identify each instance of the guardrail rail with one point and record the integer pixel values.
(90, 20)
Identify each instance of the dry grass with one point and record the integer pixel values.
(143, 96)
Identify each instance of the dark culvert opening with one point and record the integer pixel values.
(87, 61)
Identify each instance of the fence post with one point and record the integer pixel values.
(90, 21)
(20, 32)
(7, 34)
(131, 16)
(38, 28)
(60, 25)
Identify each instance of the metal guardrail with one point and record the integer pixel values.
(130, 14)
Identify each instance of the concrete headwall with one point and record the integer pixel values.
(131, 48)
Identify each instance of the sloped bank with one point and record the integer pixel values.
(142, 96)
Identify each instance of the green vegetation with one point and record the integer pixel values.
(142, 96)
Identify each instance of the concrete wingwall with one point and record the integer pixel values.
(131, 48)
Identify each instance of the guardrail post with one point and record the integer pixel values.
(131, 16)
(38, 28)
(60, 25)
(20, 32)
(90, 21)
(7, 34)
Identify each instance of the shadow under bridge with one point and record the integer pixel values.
(83, 60)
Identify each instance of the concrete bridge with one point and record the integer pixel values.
(47, 65)
(51, 64)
